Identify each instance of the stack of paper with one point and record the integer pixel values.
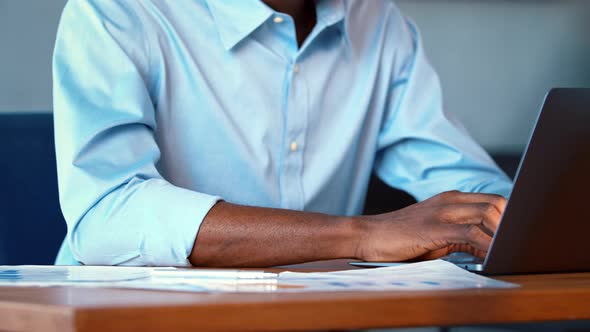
(431, 275)
(42, 275)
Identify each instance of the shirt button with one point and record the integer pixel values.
(278, 19)
(293, 146)
(296, 68)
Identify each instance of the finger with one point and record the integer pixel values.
(483, 214)
(435, 254)
(458, 238)
(460, 247)
(498, 201)
(468, 249)
(471, 235)
(478, 253)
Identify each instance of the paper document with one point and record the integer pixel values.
(431, 275)
(69, 274)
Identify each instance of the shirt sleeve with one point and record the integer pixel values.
(422, 149)
(119, 209)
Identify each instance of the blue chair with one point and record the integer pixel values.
(31, 223)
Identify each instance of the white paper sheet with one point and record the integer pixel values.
(432, 275)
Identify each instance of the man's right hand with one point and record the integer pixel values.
(446, 223)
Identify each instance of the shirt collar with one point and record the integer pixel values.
(235, 20)
(330, 12)
(333, 13)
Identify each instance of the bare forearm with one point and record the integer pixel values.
(234, 235)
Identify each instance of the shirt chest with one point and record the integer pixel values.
(265, 114)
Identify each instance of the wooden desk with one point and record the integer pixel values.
(542, 298)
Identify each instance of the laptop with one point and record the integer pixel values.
(545, 227)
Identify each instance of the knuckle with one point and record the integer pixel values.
(498, 198)
(449, 195)
(471, 232)
(489, 209)
(474, 234)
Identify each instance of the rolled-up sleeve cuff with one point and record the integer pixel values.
(169, 240)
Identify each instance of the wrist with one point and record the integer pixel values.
(355, 234)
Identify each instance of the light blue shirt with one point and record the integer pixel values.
(162, 108)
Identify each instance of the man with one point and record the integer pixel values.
(243, 133)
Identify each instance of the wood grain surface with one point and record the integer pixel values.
(541, 298)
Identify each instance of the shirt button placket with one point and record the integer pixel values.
(297, 117)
